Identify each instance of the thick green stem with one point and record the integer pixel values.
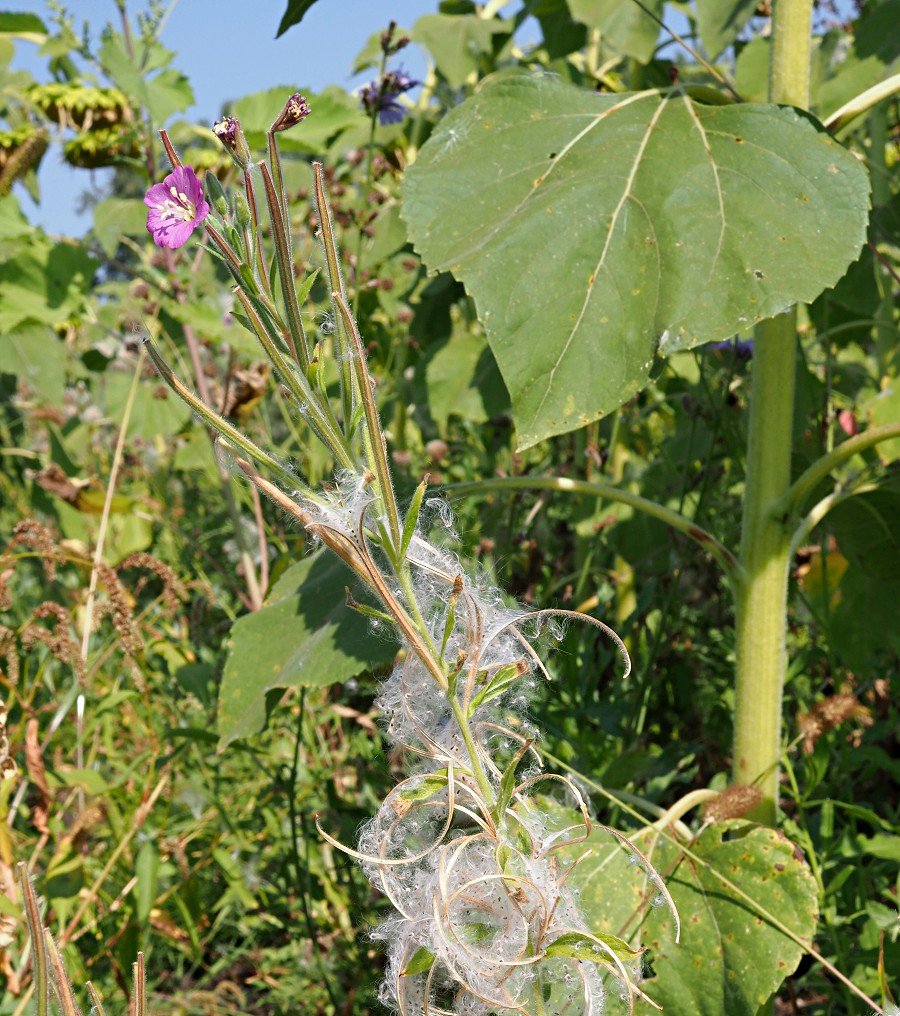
(761, 601)
(791, 52)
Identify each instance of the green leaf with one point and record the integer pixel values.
(146, 872)
(626, 26)
(13, 223)
(425, 788)
(880, 845)
(23, 26)
(412, 519)
(562, 35)
(44, 282)
(636, 224)
(88, 779)
(161, 95)
(422, 960)
(458, 42)
(861, 624)
(293, 15)
(462, 380)
(720, 21)
(333, 111)
(157, 412)
(38, 356)
(304, 636)
(502, 679)
(583, 947)
(751, 70)
(873, 55)
(117, 217)
(867, 528)
(743, 957)
(884, 408)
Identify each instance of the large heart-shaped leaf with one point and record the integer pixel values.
(736, 874)
(304, 636)
(595, 231)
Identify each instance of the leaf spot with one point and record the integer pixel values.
(757, 274)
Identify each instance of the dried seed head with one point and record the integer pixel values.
(827, 714)
(734, 802)
(30, 533)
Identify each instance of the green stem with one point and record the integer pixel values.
(335, 285)
(885, 333)
(761, 600)
(281, 239)
(481, 778)
(791, 503)
(376, 447)
(728, 562)
(219, 424)
(791, 51)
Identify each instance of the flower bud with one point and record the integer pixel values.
(241, 210)
(228, 131)
(216, 194)
(295, 110)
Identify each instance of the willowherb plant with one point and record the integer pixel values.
(474, 849)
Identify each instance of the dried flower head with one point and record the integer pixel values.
(735, 802)
(177, 208)
(827, 714)
(228, 131)
(30, 533)
(294, 111)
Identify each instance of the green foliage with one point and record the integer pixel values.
(593, 252)
(747, 905)
(142, 836)
(303, 637)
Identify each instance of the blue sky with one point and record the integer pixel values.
(227, 48)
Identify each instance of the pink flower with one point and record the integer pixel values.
(176, 208)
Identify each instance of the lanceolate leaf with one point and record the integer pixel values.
(595, 231)
(293, 15)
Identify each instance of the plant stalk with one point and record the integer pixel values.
(761, 600)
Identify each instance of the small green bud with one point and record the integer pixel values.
(241, 210)
(216, 194)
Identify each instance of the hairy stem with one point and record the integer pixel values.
(761, 601)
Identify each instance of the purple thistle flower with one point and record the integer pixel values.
(176, 208)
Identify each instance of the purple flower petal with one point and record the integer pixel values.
(177, 208)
